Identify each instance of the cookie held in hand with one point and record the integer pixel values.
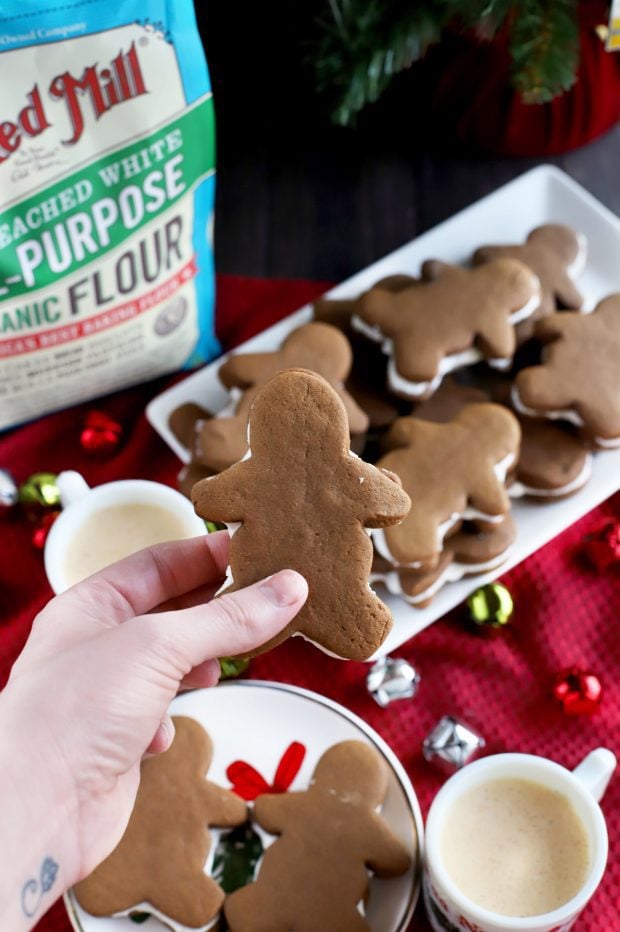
(557, 255)
(315, 874)
(453, 471)
(159, 862)
(579, 379)
(458, 317)
(302, 500)
(221, 441)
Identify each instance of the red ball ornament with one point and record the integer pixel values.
(39, 535)
(579, 691)
(603, 547)
(101, 434)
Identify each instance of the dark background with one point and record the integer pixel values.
(299, 198)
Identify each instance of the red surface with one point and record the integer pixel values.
(499, 682)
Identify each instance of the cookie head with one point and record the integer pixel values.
(556, 254)
(278, 414)
(352, 767)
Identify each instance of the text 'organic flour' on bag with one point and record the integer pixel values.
(106, 192)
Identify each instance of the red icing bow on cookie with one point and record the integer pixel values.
(248, 783)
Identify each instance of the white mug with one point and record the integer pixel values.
(448, 908)
(80, 502)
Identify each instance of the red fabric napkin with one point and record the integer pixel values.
(498, 682)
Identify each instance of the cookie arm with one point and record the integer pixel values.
(223, 497)
(222, 807)
(244, 369)
(378, 494)
(567, 293)
(491, 499)
(386, 855)
(271, 811)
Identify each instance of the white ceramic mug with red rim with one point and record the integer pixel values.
(448, 908)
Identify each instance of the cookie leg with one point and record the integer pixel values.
(199, 909)
(248, 910)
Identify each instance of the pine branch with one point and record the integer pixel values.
(544, 45)
(364, 43)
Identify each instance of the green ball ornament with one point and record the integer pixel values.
(213, 526)
(40, 490)
(491, 606)
(231, 667)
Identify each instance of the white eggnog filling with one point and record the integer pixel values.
(452, 573)
(561, 414)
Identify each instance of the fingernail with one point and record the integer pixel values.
(284, 588)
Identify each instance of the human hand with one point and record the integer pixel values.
(89, 694)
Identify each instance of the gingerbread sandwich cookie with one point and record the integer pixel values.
(553, 462)
(158, 865)
(454, 471)
(468, 552)
(579, 378)
(557, 255)
(458, 317)
(301, 500)
(329, 838)
(222, 441)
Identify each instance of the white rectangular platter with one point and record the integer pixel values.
(543, 195)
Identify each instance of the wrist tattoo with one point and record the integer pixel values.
(33, 889)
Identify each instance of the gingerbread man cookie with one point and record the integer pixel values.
(467, 552)
(158, 865)
(316, 872)
(579, 379)
(221, 441)
(553, 462)
(452, 471)
(557, 255)
(457, 318)
(303, 500)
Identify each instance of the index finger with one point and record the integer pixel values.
(139, 583)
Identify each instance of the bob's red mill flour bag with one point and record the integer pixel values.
(106, 199)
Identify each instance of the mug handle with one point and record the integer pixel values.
(72, 487)
(595, 771)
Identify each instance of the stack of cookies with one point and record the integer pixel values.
(473, 384)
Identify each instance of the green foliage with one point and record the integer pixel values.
(544, 43)
(236, 856)
(363, 44)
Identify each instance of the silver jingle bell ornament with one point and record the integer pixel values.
(9, 493)
(451, 743)
(391, 679)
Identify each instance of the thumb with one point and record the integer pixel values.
(234, 623)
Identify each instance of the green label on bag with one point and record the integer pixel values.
(93, 210)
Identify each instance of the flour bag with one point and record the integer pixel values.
(107, 159)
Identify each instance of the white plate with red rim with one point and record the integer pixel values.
(267, 718)
(543, 195)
